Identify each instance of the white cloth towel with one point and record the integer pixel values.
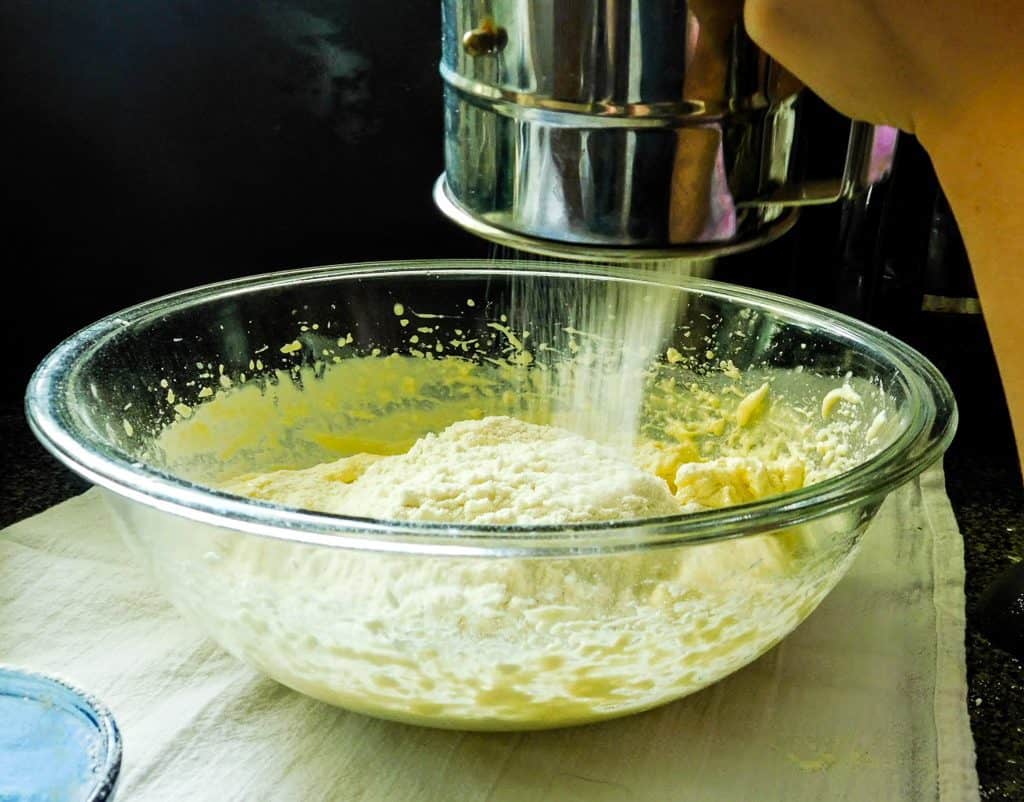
(865, 701)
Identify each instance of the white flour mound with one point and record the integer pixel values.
(516, 642)
(513, 642)
(498, 470)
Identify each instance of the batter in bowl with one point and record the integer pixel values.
(504, 471)
(511, 642)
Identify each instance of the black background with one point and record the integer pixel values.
(151, 146)
(155, 145)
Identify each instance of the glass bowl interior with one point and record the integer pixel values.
(469, 626)
(297, 368)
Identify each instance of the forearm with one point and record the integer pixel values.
(981, 169)
(949, 72)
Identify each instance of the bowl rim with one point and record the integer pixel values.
(933, 421)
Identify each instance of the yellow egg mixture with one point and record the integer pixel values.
(513, 642)
(503, 471)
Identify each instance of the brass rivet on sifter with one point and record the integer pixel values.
(488, 39)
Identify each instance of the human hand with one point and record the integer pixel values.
(921, 65)
(952, 73)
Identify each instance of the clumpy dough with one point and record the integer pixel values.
(518, 642)
(508, 641)
(504, 471)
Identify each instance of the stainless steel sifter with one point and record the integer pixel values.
(626, 130)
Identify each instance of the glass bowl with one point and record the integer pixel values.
(471, 626)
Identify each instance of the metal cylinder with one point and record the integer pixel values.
(623, 129)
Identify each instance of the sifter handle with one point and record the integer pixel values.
(869, 155)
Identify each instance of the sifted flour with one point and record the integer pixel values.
(498, 470)
(513, 643)
(507, 642)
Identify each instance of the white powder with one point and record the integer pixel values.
(504, 642)
(508, 642)
(498, 470)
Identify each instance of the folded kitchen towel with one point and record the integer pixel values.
(865, 701)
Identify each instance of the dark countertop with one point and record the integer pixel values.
(983, 483)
